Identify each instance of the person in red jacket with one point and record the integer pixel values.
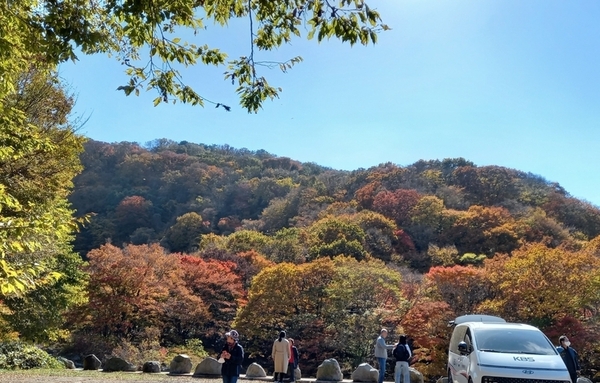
(293, 360)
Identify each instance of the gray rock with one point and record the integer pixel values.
(118, 364)
(365, 373)
(329, 371)
(91, 362)
(151, 367)
(255, 370)
(583, 379)
(416, 376)
(69, 364)
(181, 364)
(208, 367)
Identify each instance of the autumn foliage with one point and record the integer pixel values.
(137, 288)
(186, 241)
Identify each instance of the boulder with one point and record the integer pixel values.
(69, 364)
(118, 364)
(181, 364)
(91, 362)
(255, 370)
(416, 376)
(582, 379)
(151, 367)
(365, 373)
(329, 371)
(208, 367)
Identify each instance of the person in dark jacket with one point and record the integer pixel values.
(403, 355)
(233, 355)
(293, 360)
(569, 356)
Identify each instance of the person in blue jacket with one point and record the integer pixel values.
(569, 356)
(233, 354)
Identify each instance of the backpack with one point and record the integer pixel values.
(401, 353)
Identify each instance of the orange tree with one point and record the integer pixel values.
(140, 291)
(221, 293)
(462, 288)
(484, 230)
(538, 284)
(427, 323)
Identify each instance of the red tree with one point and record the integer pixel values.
(397, 204)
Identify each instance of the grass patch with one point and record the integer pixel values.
(5, 375)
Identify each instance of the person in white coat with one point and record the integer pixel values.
(281, 356)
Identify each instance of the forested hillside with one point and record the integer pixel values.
(230, 237)
(428, 213)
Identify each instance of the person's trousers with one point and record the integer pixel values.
(230, 379)
(402, 372)
(279, 376)
(292, 372)
(381, 362)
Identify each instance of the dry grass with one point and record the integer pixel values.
(80, 376)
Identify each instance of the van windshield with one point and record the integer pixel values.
(513, 341)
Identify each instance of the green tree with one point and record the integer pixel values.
(286, 246)
(362, 295)
(39, 315)
(184, 235)
(246, 240)
(332, 236)
(379, 234)
(38, 159)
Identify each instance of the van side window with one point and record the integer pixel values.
(458, 336)
(468, 339)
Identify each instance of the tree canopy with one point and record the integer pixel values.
(149, 38)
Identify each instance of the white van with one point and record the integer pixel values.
(486, 349)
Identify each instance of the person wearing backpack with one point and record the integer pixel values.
(402, 354)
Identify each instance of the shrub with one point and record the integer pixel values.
(193, 348)
(140, 353)
(17, 355)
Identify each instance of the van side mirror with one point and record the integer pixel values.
(463, 348)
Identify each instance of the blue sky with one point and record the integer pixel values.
(509, 83)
